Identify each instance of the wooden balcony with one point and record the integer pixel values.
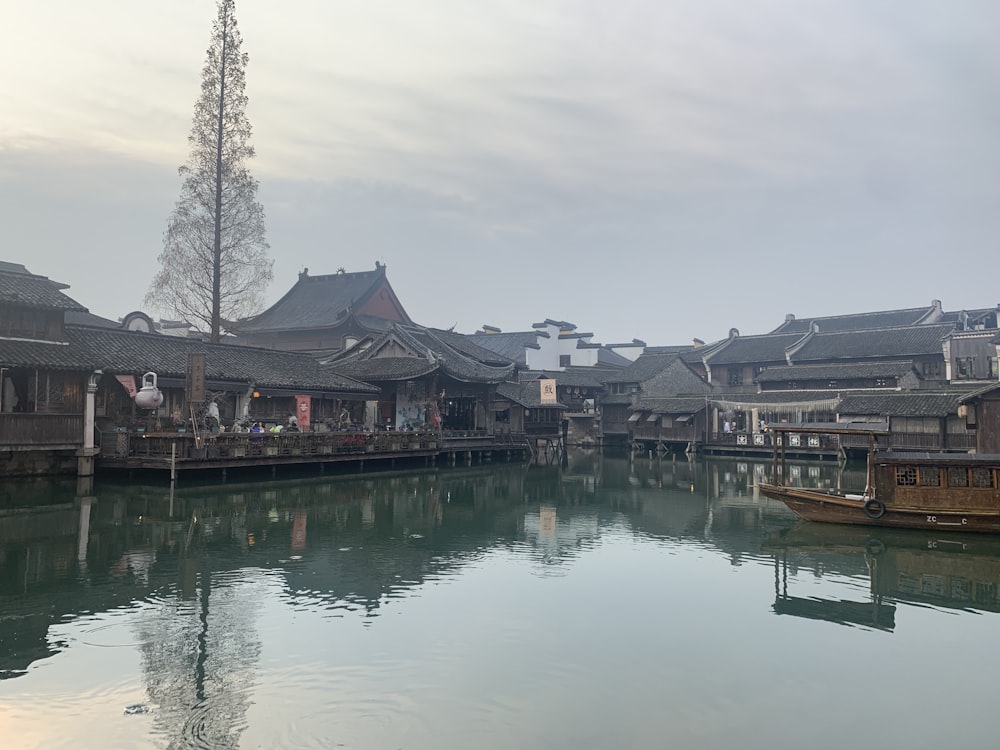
(33, 431)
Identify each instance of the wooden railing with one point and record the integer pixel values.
(41, 430)
(237, 445)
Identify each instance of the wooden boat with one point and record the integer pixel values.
(953, 491)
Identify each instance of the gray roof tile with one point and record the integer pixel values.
(901, 404)
(741, 350)
(121, 351)
(857, 321)
(317, 301)
(882, 343)
(837, 371)
(24, 289)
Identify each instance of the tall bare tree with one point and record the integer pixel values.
(214, 267)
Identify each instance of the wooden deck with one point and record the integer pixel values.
(184, 452)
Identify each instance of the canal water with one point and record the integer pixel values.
(605, 603)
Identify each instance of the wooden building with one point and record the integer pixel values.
(428, 378)
(917, 420)
(67, 390)
(980, 411)
(519, 408)
(43, 378)
(656, 374)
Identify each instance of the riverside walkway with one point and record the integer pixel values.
(173, 452)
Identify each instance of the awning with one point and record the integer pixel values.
(128, 383)
(652, 417)
(635, 416)
(684, 418)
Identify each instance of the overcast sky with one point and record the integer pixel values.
(653, 169)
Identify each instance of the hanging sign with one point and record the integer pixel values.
(303, 407)
(548, 391)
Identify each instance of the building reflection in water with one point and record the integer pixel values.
(346, 546)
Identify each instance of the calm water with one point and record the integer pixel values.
(604, 605)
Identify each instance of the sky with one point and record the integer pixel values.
(652, 169)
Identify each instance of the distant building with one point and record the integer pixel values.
(326, 314)
(556, 345)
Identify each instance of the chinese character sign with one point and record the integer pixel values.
(548, 392)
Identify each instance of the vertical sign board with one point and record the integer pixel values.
(299, 530)
(303, 409)
(196, 377)
(548, 391)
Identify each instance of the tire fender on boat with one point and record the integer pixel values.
(874, 508)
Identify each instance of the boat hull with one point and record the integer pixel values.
(812, 505)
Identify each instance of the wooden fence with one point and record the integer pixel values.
(27, 431)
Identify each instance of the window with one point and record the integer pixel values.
(929, 477)
(982, 478)
(992, 369)
(958, 477)
(965, 368)
(906, 476)
(565, 359)
(880, 382)
(931, 369)
(734, 376)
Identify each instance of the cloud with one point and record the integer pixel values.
(662, 169)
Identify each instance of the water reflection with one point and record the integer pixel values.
(198, 566)
(916, 567)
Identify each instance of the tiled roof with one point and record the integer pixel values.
(77, 318)
(901, 404)
(676, 379)
(679, 405)
(461, 363)
(49, 355)
(527, 394)
(973, 395)
(886, 342)
(750, 349)
(317, 301)
(837, 371)
(857, 321)
(606, 356)
(674, 349)
(645, 366)
(19, 287)
(124, 352)
(452, 352)
(385, 368)
(472, 347)
(510, 345)
(579, 377)
(134, 352)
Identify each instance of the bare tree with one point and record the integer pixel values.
(215, 267)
